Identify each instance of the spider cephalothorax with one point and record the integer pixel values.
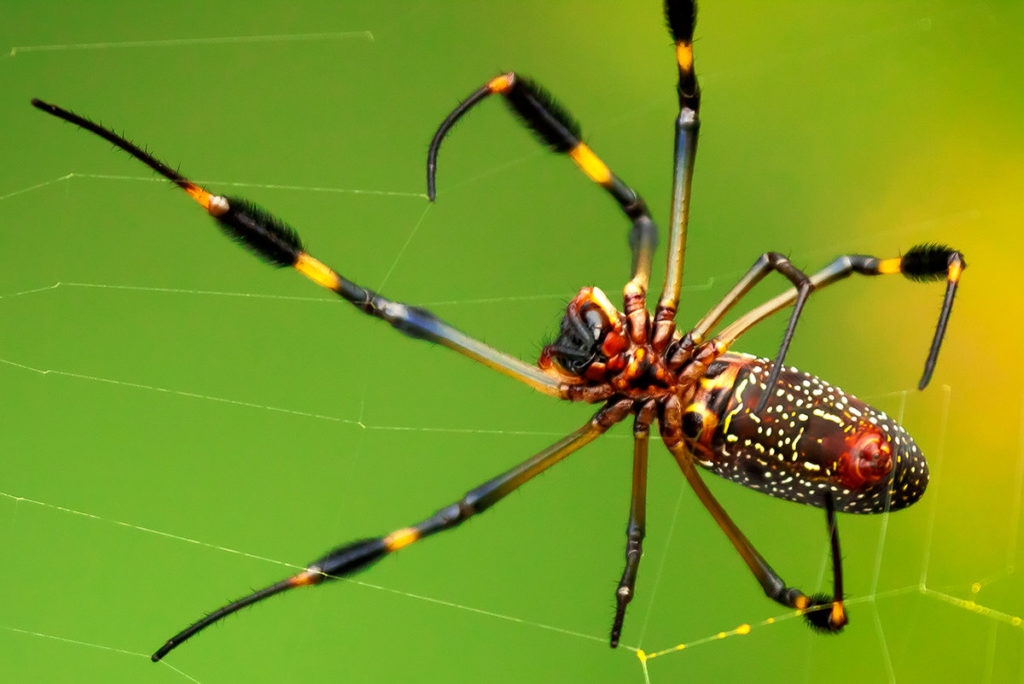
(594, 348)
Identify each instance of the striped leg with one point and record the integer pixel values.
(553, 125)
(279, 244)
(922, 263)
(350, 558)
(773, 585)
(681, 16)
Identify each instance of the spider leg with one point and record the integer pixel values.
(922, 262)
(352, 557)
(279, 244)
(554, 126)
(817, 617)
(765, 264)
(681, 16)
(637, 518)
(774, 587)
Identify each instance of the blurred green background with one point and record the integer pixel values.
(173, 383)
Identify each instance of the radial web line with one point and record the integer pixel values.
(940, 454)
(177, 42)
(35, 290)
(37, 186)
(76, 642)
(216, 183)
(286, 564)
(181, 672)
(239, 184)
(181, 393)
(886, 658)
(884, 527)
(879, 552)
(88, 644)
(405, 245)
(661, 566)
(509, 299)
(494, 170)
(147, 530)
(294, 412)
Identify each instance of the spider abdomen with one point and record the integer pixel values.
(810, 438)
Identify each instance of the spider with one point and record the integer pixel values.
(754, 421)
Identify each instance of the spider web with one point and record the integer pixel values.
(185, 425)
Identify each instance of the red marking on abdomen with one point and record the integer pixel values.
(865, 458)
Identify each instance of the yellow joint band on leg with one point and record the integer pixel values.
(303, 579)
(316, 271)
(684, 55)
(955, 269)
(888, 266)
(591, 165)
(500, 84)
(198, 194)
(838, 614)
(401, 538)
(215, 204)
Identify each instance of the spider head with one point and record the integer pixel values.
(590, 340)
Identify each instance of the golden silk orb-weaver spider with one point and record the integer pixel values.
(754, 421)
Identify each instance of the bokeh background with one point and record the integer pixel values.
(171, 382)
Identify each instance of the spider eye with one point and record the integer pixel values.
(595, 320)
(588, 320)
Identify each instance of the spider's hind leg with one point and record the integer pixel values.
(828, 614)
(350, 558)
(775, 588)
(637, 518)
(925, 262)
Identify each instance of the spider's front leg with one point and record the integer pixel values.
(358, 555)
(278, 244)
(554, 127)
(682, 17)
